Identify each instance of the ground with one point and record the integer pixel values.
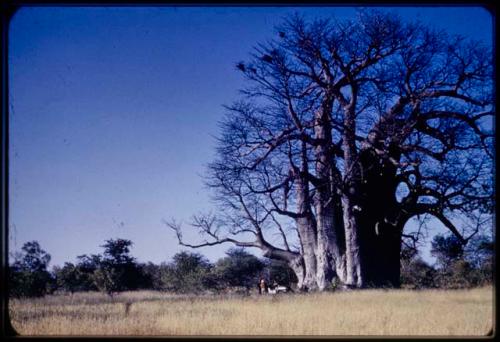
(368, 312)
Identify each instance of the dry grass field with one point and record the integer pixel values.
(369, 312)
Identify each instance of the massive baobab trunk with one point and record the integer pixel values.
(351, 190)
(306, 224)
(380, 219)
(329, 222)
(327, 252)
(308, 244)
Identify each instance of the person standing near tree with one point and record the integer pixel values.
(262, 286)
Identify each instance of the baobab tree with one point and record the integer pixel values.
(346, 131)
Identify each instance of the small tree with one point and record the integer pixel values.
(117, 270)
(67, 277)
(107, 278)
(462, 266)
(159, 275)
(239, 268)
(28, 275)
(415, 272)
(85, 269)
(447, 249)
(186, 273)
(480, 253)
(280, 272)
(118, 251)
(147, 275)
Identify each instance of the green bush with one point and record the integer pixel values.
(117, 270)
(417, 274)
(238, 269)
(67, 277)
(281, 273)
(187, 273)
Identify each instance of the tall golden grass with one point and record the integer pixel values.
(368, 312)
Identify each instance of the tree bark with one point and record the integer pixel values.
(381, 234)
(351, 193)
(354, 277)
(328, 252)
(306, 225)
(309, 257)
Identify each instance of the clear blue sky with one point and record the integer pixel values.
(113, 113)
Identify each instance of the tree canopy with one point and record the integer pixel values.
(28, 275)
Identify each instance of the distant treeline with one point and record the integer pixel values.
(457, 266)
(115, 270)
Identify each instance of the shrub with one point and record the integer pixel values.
(238, 269)
(416, 273)
(186, 273)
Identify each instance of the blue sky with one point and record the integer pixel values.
(113, 113)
